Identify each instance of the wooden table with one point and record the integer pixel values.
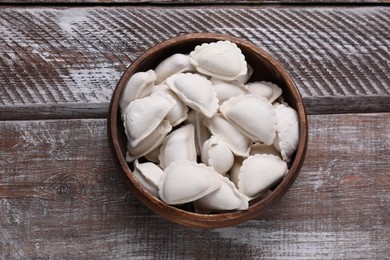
(61, 196)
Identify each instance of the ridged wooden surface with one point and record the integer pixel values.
(61, 197)
(62, 56)
(182, 2)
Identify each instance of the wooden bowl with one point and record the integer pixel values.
(265, 68)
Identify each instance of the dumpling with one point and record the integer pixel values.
(150, 143)
(179, 112)
(227, 89)
(259, 172)
(287, 137)
(139, 85)
(217, 154)
(226, 197)
(265, 89)
(257, 88)
(173, 64)
(148, 174)
(222, 59)
(228, 133)
(276, 90)
(178, 145)
(186, 181)
(142, 116)
(196, 91)
(253, 115)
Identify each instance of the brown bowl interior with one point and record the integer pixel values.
(265, 68)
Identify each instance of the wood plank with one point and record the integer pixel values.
(192, 2)
(52, 56)
(56, 111)
(61, 197)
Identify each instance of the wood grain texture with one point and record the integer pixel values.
(208, 2)
(56, 111)
(61, 197)
(51, 56)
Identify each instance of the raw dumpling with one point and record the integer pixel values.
(222, 59)
(179, 112)
(196, 91)
(259, 172)
(142, 116)
(217, 154)
(276, 91)
(253, 115)
(150, 143)
(139, 86)
(186, 181)
(178, 145)
(148, 174)
(227, 89)
(173, 64)
(265, 89)
(287, 137)
(228, 133)
(257, 88)
(226, 197)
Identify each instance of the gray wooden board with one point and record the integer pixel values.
(338, 56)
(180, 2)
(61, 198)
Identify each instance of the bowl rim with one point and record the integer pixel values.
(188, 218)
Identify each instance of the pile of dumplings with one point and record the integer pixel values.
(198, 132)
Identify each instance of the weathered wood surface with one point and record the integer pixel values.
(208, 2)
(61, 198)
(56, 111)
(60, 57)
